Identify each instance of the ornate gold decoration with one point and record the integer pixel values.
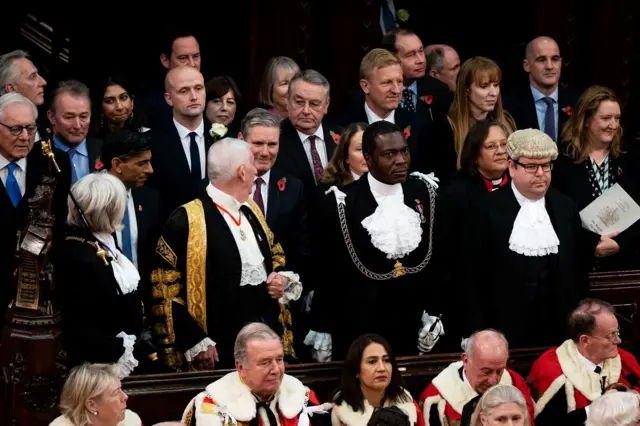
(166, 253)
(197, 263)
(102, 253)
(48, 152)
(398, 269)
(287, 334)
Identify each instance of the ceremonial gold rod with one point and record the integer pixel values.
(46, 149)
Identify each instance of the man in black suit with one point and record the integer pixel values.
(18, 74)
(307, 140)
(70, 115)
(22, 167)
(127, 156)
(180, 150)
(543, 104)
(443, 64)
(179, 48)
(421, 93)
(381, 80)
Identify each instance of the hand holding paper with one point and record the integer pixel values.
(612, 212)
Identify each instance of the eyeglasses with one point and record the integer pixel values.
(494, 146)
(314, 105)
(17, 130)
(533, 168)
(611, 336)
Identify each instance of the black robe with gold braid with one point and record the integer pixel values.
(196, 283)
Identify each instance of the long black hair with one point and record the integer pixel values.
(350, 390)
(473, 144)
(99, 125)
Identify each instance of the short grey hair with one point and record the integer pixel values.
(468, 345)
(311, 77)
(615, 409)
(258, 117)
(8, 69)
(531, 143)
(252, 331)
(225, 156)
(102, 198)
(16, 98)
(75, 88)
(499, 395)
(273, 65)
(435, 59)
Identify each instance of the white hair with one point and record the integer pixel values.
(614, 409)
(102, 198)
(252, 331)
(8, 70)
(531, 143)
(499, 395)
(468, 345)
(224, 158)
(15, 98)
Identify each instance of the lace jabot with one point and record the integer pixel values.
(532, 233)
(393, 227)
(124, 271)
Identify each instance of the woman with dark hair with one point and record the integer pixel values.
(347, 162)
(371, 380)
(114, 108)
(223, 97)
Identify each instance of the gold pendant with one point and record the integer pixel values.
(243, 236)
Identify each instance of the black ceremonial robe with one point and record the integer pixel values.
(196, 283)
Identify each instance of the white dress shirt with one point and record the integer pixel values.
(183, 132)
(133, 225)
(20, 172)
(264, 189)
(589, 364)
(372, 117)
(320, 146)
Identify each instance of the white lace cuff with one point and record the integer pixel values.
(321, 345)
(127, 362)
(200, 347)
(293, 290)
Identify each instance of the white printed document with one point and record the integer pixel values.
(613, 211)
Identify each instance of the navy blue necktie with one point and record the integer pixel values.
(387, 17)
(196, 173)
(13, 189)
(550, 118)
(127, 247)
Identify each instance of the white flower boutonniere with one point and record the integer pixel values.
(218, 131)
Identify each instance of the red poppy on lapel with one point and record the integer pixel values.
(282, 184)
(98, 165)
(428, 99)
(335, 136)
(619, 171)
(567, 110)
(407, 132)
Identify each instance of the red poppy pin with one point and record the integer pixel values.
(335, 136)
(567, 110)
(282, 184)
(619, 171)
(427, 99)
(98, 165)
(407, 132)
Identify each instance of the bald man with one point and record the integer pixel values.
(179, 150)
(543, 105)
(453, 394)
(443, 63)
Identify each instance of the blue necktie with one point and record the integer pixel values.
(126, 235)
(550, 118)
(13, 189)
(387, 17)
(74, 175)
(196, 174)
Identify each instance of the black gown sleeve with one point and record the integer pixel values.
(555, 413)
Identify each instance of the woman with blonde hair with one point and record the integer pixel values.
(593, 160)
(500, 405)
(92, 395)
(477, 97)
(275, 84)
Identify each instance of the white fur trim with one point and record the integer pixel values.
(570, 391)
(130, 419)
(426, 407)
(585, 381)
(343, 414)
(236, 398)
(555, 386)
(458, 392)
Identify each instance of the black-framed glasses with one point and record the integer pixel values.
(533, 168)
(17, 130)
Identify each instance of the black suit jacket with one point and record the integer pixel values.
(16, 218)
(172, 175)
(434, 99)
(522, 107)
(293, 159)
(287, 218)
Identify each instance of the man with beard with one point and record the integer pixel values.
(381, 227)
(526, 267)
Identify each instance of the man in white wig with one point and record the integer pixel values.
(258, 392)
(527, 266)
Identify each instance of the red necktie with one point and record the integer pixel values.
(318, 170)
(257, 194)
